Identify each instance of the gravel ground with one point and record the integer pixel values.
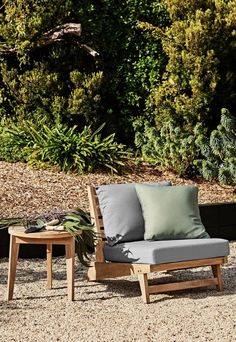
(29, 192)
(113, 310)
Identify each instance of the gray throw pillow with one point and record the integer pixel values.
(171, 213)
(121, 211)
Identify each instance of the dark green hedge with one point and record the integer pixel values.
(61, 81)
(164, 72)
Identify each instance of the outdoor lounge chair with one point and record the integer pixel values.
(122, 250)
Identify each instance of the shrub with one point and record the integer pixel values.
(60, 146)
(198, 80)
(43, 94)
(14, 140)
(219, 151)
(61, 80)
(159, 147)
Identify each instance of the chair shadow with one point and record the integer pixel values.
(123, 287)
(30, 275)
(130, 288)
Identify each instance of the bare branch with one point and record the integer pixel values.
(89, 50)
(54, 35)
(4, 4)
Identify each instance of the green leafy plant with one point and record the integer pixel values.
(76, 222)
(5, 223)
(79, 220)
(14, 139)
(66, 148)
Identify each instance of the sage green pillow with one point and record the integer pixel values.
(170, 212)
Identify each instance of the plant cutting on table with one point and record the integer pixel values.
(76, 222)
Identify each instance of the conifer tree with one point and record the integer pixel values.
(219, 151)
(198, 80)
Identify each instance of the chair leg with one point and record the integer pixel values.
(70, 257)
(217, 274)
(49, 266)
(143, 282)
(13, 256)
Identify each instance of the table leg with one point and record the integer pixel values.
(49, 266)
(70, 257)
(13, 256)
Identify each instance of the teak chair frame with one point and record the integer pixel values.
(102, 269)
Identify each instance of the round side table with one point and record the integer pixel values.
(18, 236)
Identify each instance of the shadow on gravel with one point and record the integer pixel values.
(30, 275)
(127, 288)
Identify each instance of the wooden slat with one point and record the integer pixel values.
(161, 288)
(99, 211)
(98, 222)
(146, 268)
(93, 207)
(187, 264)
(99, 250)
(63, 241)
(102, 235)
(101, 223)
(102, 270)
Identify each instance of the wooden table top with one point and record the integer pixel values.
(19, 231)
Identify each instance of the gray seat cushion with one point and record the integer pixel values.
(160, 252)
(121, 211)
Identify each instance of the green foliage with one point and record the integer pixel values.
(23, 22)
(84, 99)
(169, 147)
(198, 44)
(219, 151)
(6, 223)
(38, 80)
(44, 80)
(41, 93)
(60, 146)
(78, 220)
(142, 66)
(167, 66)
(14, 141)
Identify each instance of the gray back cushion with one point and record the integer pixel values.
(122, 214)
